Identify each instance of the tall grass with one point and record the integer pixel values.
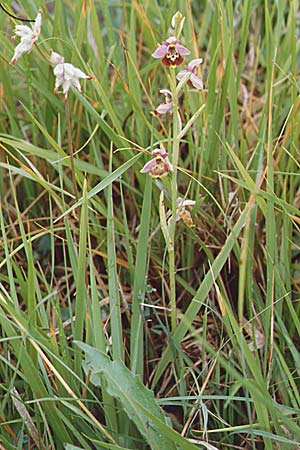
(114, 333)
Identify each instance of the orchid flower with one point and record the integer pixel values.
(171, 52)
(167, 106)
(194, 80)
(28, 37)
(66, 74)
(159, 166)
(182, 213)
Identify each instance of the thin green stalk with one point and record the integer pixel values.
(271, 248)
(114, 296)
(31, 297)
(81, 292)
(174, 189)
(71, 147)
(7, 260)
(243, 267)
(139, 286)
(98, 339)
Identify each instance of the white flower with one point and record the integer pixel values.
(66, 74)
(28, 37)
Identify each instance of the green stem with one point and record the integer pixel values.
(174, 190)
(71, 147)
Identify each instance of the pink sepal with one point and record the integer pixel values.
(183, 51)
(148, 166)
(164, 108)
(194, 63)
(160, 51)
(196, 82)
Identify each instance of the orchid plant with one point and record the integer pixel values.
(66, 75)
(172, 54)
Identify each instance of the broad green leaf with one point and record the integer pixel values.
(129, 391)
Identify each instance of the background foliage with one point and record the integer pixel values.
(90, 265)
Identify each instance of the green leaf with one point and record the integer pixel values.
(72, 447)
(105, 183)
(129, 390)
(81, 292)
(140, 277)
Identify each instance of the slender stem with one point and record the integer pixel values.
(71, 147)
(22, 19)
(174, 190)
